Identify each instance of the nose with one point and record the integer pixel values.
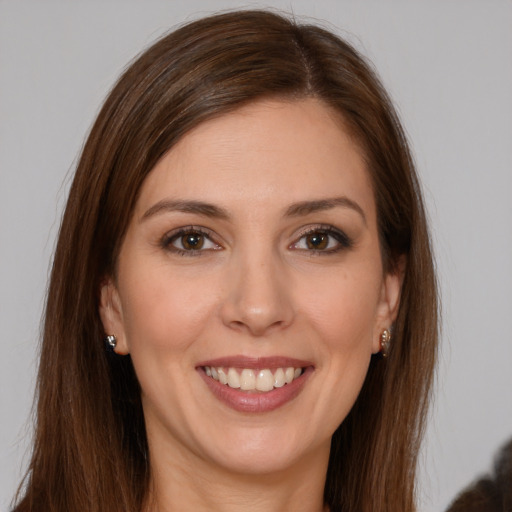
(258, 295)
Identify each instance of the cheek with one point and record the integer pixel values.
(164, 311)
(344, 308)
(343, 318)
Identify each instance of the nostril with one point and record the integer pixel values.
(256, 306)
(256, 328)
(237, 325)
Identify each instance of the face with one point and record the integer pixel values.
(250, 290)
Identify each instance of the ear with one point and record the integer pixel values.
(389, 303)
(111, 313)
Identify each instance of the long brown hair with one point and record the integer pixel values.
(90, 448)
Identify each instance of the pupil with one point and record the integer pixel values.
(192, 241)
(317, 241)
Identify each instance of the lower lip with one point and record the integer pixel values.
(256, 402)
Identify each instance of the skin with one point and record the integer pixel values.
(256, 288)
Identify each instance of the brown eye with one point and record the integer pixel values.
(192, 241)
(189, 241)
(317, 241)
(323, 240)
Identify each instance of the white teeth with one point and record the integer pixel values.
(265, 380)
(233, 379)
(223, 378)
(249, 380)
(279, 378)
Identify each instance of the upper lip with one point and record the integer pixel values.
(255, 362)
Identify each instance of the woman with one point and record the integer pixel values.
(246, 231)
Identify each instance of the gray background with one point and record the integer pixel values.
(448, 66)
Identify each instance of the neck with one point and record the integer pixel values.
(179, 485)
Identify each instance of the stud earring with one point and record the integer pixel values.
(385, 339)
(110, 342)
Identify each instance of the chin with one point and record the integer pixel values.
(263, 451)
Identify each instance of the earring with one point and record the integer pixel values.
(110, 342)
(385, 339)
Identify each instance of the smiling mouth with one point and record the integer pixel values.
(256, 384)
(255, 380)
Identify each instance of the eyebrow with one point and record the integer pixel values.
(299, 209)
(197, 207)
(306, 207)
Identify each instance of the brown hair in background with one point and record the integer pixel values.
(90, 450)
(492, 493)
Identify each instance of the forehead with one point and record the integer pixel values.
(270, 152)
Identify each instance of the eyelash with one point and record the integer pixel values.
(343, 241)
(173, 236)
